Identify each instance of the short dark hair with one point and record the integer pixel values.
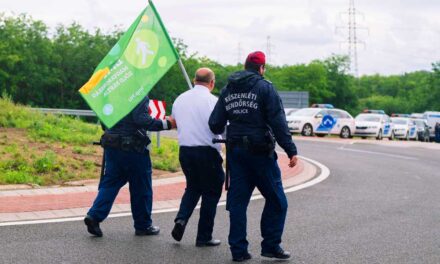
(249, 65)
(204, 78)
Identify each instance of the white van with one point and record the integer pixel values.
(431, 118)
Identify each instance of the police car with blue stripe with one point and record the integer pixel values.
(321, 120)
(404, 127)
(374, 123)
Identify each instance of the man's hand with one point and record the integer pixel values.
(293, 161)
(172, 121)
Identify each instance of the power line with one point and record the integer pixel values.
(239, 52)
(352, 38)
(269, 51)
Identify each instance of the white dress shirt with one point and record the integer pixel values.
(191, 110)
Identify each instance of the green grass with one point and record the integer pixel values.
(48, 149)
(47, 127)
(31, 166)
(167, 156)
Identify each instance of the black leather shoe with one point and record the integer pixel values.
(281, 254)
(178, 230)
(150, 231)
(93, 226)
(210, 243)
(245, 257)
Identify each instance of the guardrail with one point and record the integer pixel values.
(74, 112)
(78, 113)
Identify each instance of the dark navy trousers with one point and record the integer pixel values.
(122, 167)
(437, 134)
(202, 166)
(248, 171)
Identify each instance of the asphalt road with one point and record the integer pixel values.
(379, 205)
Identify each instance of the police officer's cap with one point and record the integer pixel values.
(257, 57)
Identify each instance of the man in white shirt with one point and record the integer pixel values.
(200, 159)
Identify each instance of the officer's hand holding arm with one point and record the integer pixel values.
(143, 119)
(172, 122)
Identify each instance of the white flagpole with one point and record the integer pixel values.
(185, 74)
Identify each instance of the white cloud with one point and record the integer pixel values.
(404, 35)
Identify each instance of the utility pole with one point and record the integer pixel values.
(239, 52)
(269, 51)
(352, 38)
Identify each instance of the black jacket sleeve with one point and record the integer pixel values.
(142, 118)
(218, 118)
(276, 119)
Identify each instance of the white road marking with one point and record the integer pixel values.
(325, 172)
(378, 153)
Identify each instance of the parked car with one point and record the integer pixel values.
(373, 123)
(431, 118)
(289, 111)
(400, 115)
(416, 116)
(422, 129)
(321, 120)
(404, 128)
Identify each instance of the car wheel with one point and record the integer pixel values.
(379, 136)
(345, 132)
(392, 136)
(307, 130)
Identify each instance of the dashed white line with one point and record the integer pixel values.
(377, 153)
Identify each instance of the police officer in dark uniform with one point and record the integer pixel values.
(127, 159)
(256, 119)
(437, 132)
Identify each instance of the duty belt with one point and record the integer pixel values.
(258, 148)
(137, 143)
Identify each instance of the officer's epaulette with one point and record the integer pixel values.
(267, 81)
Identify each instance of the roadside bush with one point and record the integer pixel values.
(47, 163)
(18, 177)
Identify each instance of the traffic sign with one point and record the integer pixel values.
(156, 109)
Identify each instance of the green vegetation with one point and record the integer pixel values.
(44, 68)
(47, 128)
(46, 149)
(167, 156)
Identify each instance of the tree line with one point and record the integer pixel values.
(45, 67)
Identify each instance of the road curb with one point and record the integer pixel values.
(312, 173)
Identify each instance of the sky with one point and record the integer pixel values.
(399, 35)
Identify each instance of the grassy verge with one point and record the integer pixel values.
(46, 149)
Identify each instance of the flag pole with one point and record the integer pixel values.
(182, 67)
(185, 74)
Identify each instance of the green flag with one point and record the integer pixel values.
(131, 69)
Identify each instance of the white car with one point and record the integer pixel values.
(376, 125)
(404, 128)
(432, 118)
(321, 121)
(289, 111)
